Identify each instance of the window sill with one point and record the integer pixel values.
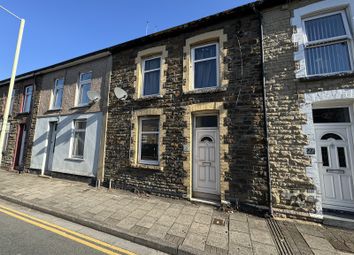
(327, 76)
(152, 97)
(54, 110)
(147, 167)
(80, 107)
(22, 113)
(206, 90)
(75, 159)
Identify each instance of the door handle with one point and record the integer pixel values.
(338, 171)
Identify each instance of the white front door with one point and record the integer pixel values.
(206, 174)
(335, 152)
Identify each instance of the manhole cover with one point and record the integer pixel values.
(220, 222)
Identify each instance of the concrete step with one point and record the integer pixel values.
(342, 220)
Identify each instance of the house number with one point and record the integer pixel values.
(310, 151)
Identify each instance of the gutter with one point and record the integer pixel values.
(265, 113)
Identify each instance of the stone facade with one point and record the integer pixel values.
(295, 181)
(17, 118)
(238, 101)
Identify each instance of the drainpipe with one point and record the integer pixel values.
(265, 114)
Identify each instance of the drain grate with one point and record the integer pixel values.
(279, 238)
(220, 222)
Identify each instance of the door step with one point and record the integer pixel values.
(342, 220)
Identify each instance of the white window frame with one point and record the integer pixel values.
(149, 162)
(334, 40)
(55, 91)
(74, 130)
(80, 85)
(152, 70)
(25, 99)
(217, 58)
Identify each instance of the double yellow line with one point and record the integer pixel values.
(72, 235)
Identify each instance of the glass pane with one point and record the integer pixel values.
(151, 83)
(86, 76)
(79, 143)
(84, 97)
(206, 139)
(150, 125)
(327, 59)
(152, 64)
(80, 125)
(60, 83)
(58, 98)
(205, 52)
(341, 157)
(27, 103)
(205, 74)
(325, 27)
(149, 147)
(329, 115)
(331, 136)
(29, 90)
(324, 152)
(206, 121)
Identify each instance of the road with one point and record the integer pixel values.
(25, 232)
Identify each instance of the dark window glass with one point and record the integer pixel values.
(331, 115)
(149, 147)
(324, 152)
(205, 52)
(207, 121)
(149, 144)
(206, 139)
(331, 135)
(341, 157)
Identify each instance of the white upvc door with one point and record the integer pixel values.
(335, 157)
(206, 173)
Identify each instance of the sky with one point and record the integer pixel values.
(63, 29)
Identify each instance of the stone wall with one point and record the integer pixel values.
(15, 119)
(294, 186)
(243, 174)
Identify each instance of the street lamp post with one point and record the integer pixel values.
(12, 81)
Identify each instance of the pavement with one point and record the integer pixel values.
(169, 225)
(26, 231)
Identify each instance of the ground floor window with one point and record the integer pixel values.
(149, 140)
(78, 139)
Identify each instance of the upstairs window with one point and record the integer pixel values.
(79, 139)
(27, 99)
(327, 44)
(58, 93)
(84, 87)
(151, 76)
(205, 66)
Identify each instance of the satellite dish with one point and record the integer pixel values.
(120, 93)
(94, 96)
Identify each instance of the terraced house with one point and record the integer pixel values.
(308, 50)
(251, 107)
